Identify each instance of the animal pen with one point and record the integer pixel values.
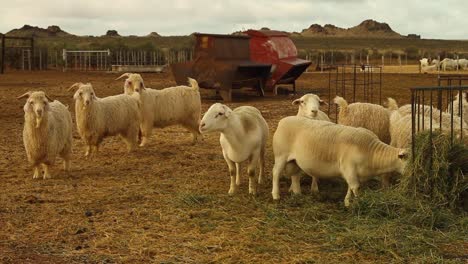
(355, 83)
(86, 60)
(21, 47)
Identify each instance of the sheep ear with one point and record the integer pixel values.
(142, 85)
(75, 85)
(24, 95)
(403, 154)
(322, 102)
(296, 102)
(127, 74)
(48, 98)
(227, 111)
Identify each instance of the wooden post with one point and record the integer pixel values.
(40, 59)
(2, 62)
(31, 60)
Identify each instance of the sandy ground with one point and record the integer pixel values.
(166, 202)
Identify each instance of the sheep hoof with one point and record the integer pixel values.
(276, 196)
(36, 175)
(46, 176)
(231, 191)
(252, 191)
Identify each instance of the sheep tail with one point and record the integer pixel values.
(341, 102)
(194, 84)
(392, 104)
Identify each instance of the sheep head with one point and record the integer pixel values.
(133, 84)
(309, 105)
(37, 103)
(215, 119)
(84, 94)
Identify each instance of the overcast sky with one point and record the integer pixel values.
(446, 19)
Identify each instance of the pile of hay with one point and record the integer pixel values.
(433, 189)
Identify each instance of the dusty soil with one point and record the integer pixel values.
(166, 202)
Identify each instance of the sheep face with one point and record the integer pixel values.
(85, 95)
(309, 105)
(215, 119)
(402, 161)
(134, 84)
(37, 104)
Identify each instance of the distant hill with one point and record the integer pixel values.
(367, 29)
(32, 31)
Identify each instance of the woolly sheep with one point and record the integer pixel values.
(370, 116)
(47, 132)
(308, 106)
(179, 105)
(97, 118)
(448, 64)
(244, 133)
(424, 62)
(332, 151)
(425, 110)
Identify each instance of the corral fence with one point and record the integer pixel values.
(334, 57)
(355, 83)
(20, 53)
(435, 109)
(95, 60)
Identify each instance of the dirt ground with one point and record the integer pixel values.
(165, 203)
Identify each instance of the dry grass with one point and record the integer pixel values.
(168, 202)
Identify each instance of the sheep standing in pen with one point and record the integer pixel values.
(308, 106)
(244, 134)
(370, 116)
(179, 105)
(97, 118)
(47, 132)
(332, 151)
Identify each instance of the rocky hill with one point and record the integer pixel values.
(31, 31)
(367, 29)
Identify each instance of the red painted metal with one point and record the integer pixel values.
(277, 49)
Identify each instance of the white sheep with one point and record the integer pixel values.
(370, 116)
(462, 64)
(424, 62)
(244, 134)
(308, 106)
(47, 132)
(97, 118)
(327, 150)
(448, 64)
(179, 105)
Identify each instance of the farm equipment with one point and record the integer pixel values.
(256, 59)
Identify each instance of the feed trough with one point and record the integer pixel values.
(261, 59)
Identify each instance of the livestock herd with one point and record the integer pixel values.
(446, 64)
(369, 140)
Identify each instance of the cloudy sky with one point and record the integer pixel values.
(446, 19)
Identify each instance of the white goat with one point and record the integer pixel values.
(424, 62)
(244, 133)
(97, 118)
(332, 150)
(179, 105)
(47, 132)
(448, 64)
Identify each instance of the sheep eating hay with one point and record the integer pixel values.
(244, 133)
(328, 150)
(179, 105)
(97, 118)
(47, 132)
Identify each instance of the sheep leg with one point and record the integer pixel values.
(353, 184)
(87, 151)
(314, 187)
(66, 164)
(261, 166)
(251, 172)
(131, 138)
(238, 174)
(36, 172)
(145, 133)
(231, 166)
(295, 184)
(45, 167)
(280, 163)
(192, 127)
